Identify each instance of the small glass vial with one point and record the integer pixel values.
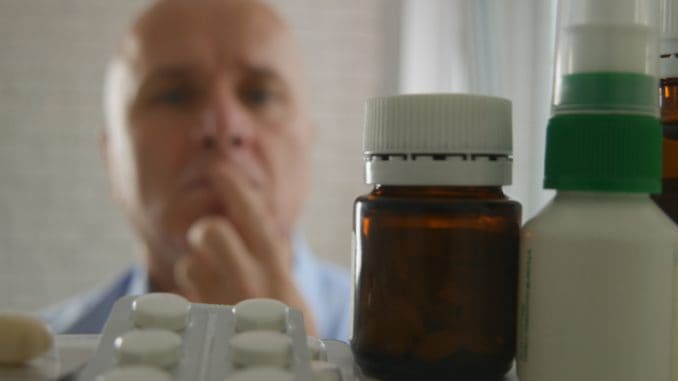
(436, 241)
(668, 97)
(667, 200)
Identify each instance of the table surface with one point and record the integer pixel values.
(71, 352)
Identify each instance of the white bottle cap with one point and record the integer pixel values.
(438, 139)
(161, 310)
(260, 314)
(325, 371)
(262, 374)
(261, 348)
(154, 347)
(317, 348)
(135, 373)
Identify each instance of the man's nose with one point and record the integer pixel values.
(226, 123)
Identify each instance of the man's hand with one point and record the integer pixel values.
(245, 255)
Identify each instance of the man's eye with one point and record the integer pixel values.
(174, 97)
(258, 96)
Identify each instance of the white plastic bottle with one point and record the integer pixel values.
(596, 271)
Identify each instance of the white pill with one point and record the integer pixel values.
(154, 347)
(260, 314)
(261, 348)
(161, 310)
(135, 373)
(22, 338)
(262, 374)
(317, 348)
(325, 371)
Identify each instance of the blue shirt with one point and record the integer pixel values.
(325, 287)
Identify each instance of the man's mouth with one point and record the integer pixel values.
(198, 183)
(202, 193)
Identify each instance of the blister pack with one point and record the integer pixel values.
(162, 336)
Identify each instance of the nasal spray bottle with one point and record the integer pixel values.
(596, 265)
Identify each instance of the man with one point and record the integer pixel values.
(207, 146)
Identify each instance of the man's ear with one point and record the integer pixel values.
(105, 152)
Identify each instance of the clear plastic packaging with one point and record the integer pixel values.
(210, 348)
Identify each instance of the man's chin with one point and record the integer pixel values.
(191, 207)
(179, 231)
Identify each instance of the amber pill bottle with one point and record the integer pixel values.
(436, 241)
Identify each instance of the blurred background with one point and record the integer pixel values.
(59, 230)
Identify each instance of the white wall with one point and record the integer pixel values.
(59, 231)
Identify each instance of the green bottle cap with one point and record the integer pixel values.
(604, 152)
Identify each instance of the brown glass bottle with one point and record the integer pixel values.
(668, 199)
(435, 276)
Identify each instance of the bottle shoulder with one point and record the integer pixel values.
(369, 205)
(435, 196)
(636, 219)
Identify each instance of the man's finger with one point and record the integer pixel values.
(247, 209)
(216, 241)
(193, 278)
(218, 251)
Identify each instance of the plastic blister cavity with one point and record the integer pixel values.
(261, 348)
(135, 373)
(154, 347)
(161, 310)
(260, 314)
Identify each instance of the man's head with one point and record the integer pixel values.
(197, 86)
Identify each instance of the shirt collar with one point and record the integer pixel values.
(139, 282)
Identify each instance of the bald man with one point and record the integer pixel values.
(207, 146)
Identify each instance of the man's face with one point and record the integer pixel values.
(207, 84)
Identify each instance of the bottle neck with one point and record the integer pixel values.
(437, 191)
